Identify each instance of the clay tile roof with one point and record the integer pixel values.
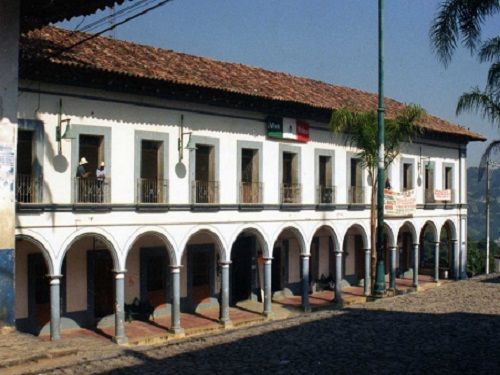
(126, 58)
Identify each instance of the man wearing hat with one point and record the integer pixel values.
(81, 172)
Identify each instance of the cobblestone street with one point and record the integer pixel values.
(451, 329)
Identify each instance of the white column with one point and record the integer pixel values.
(305, 282)
(415, 265)
(267, 287)
(9, 52)
(120, 337)
(338, 276)
(175, 314)
(55, 307)
(368, 279)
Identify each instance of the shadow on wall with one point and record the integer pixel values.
(355, 341)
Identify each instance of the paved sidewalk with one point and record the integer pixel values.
(450, 329)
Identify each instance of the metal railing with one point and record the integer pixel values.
(429, 196)
(291, 193)
(92, 190)
(326, 194)
(152, 190)
(356, 194)
(205, 192)
(28, 188)
(250, 192)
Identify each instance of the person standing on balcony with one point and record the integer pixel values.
(81, 172)
(82, 190)
(100, 175)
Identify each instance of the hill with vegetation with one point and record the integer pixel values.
(476, 197)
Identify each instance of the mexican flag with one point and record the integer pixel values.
(287, 128)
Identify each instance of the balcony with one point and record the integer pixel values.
(92, 190)
(152, 190)
(429, 196)
(326, 194)
(205, 192)
(250, 192)
(28, 189)
(291, 193)
(356, 195)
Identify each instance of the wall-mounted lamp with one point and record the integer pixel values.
(180, 141)
(68, 134)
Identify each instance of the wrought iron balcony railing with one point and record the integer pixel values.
(205, 192)
(356, 195)
(291, 193)
(152, 190)
(28, 188)
(92, 190)
(326, 194)
(251, 192)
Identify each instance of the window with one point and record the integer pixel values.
(290, 187)
(250, 186)
(325, 188)
(152, 187)
(205, 187)
(407, 176)
(448, 178)
(91, 183)
(429, 182)
(356, 191)
(27, 183)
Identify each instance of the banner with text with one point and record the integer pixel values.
(399, 204)
(442, 195)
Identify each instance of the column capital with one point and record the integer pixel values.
(119, 272)
(268, 260)
(415, 244)
(225, 263)
(175, 269)
(367, 250)
(304, 255)
(338, 252)
(393, 248)
(55, 279)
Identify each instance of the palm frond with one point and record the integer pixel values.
(490, 50)
(493, 83)
(492, 149)
(459, 18)
(481, 102)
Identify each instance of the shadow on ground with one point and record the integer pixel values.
(357, 341)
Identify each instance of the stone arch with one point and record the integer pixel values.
(257, 232)
(363, 232)
(158, 232)
(43, 249)
(450, 225)
(391, 240)
(331, 231)
(430, 224)
(100, 234)
(409, 225)
(213, 233)
(299, 234)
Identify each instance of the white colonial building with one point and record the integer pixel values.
(222, 183)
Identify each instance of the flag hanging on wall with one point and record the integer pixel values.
(287, 128)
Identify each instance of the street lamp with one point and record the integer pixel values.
(379, 287)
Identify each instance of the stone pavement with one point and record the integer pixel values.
(451, 329)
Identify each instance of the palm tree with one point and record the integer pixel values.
(361, 131)
(462, 19)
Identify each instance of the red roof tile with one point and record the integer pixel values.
(126, 58)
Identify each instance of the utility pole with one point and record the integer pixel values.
(379, 288)
(488, 217)
(493, 165)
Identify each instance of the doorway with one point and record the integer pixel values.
(100, 278)
(154, 280)
(202, 278)
(243, 257)
(39, 291)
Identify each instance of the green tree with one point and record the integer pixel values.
(461, 20)
(360, 129)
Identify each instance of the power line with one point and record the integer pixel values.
(112, 27)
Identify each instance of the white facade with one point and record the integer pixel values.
(56, 224)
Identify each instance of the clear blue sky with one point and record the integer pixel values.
(330, 40)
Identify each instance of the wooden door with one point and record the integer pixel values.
(359, 257)
(39, 306)
(241, 269)
(102, 283)
(201, 280)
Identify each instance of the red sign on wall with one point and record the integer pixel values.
(302, 131)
